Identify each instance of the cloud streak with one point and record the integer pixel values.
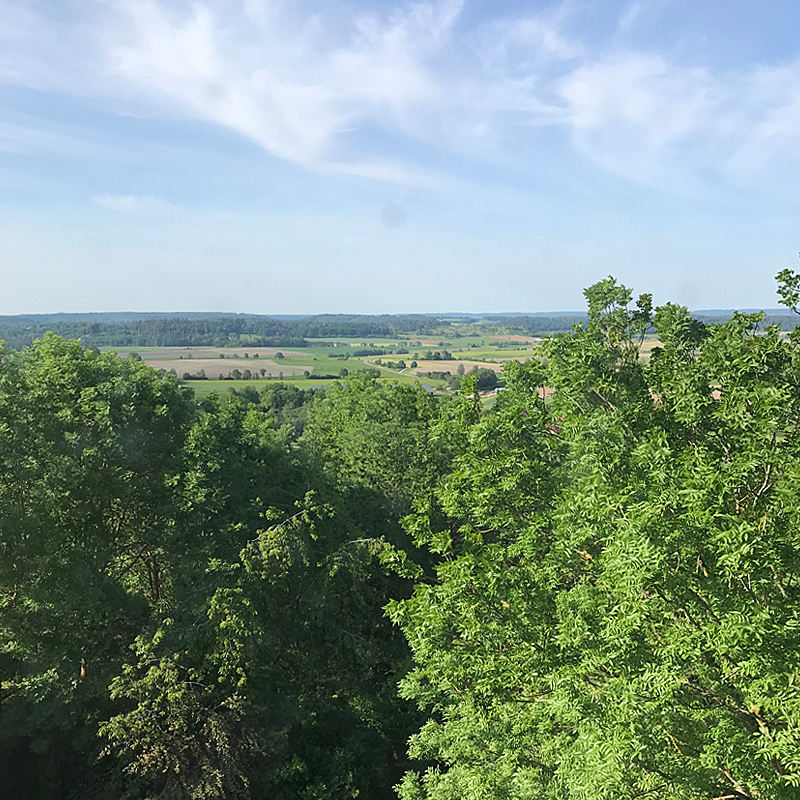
(133, 204)
(307, 81)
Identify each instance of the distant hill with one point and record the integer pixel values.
(111, 316)
(219, 329)
(728, 312)
(204, 329)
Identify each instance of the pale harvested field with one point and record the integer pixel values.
(158, 353)
(452, 366)
(219, 367)
(647, 346)
(515, 338)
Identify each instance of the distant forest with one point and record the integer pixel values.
(215, 332)
(199, 329)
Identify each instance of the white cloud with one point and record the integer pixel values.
(528, 42)
(387, 172)
(634, 113)
(201, 65)
(133, 204)
(768, 124)
(285, 83)
(642, 90)
(300, 78)
(666, 125)
(631, 16)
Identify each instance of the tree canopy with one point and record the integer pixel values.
(187, 608)
(589, 592)
(615, 612)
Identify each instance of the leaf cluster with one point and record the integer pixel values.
(615, 612)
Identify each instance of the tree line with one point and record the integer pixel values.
(589, 592)
(242, 330)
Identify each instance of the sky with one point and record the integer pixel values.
(325, 156)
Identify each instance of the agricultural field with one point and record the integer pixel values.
(165, 353)
(222, 368)
(516, 338)
(452, 366)
(328, 360)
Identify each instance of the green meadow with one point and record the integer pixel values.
(324, 360)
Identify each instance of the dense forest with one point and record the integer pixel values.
(221, 331)
(182, 331)
(187, 330)
(589, 592)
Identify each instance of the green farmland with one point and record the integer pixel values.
(322, 361)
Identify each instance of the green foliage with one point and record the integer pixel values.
(373, 437)
(177, 553)
(181, 739)
(485, 378)
(89, 453)
(597, 580)
(616, 610)
(287, 406)
(789, 288)
(280, 682)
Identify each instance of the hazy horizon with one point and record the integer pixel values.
(478, 315)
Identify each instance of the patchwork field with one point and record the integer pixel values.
(452, 366)
(219, 367)
(326, 361)
(487, 353)
(159, 353)
(515, 338)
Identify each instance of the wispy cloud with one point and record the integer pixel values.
(133, 204)
(631, 16)
(633, 112)
(292, 79)
(302, 78)
(666, 125)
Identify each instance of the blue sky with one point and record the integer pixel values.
(306, 156)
